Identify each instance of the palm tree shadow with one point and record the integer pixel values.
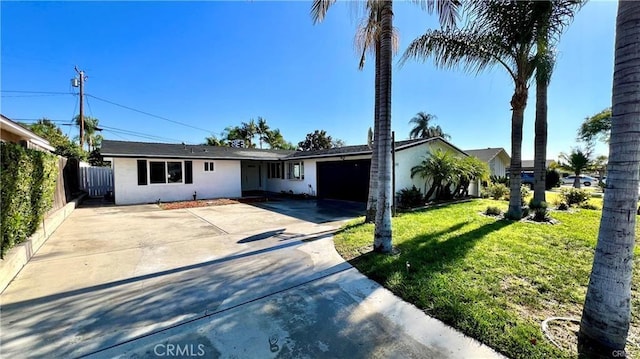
(428, 251)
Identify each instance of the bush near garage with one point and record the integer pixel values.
(27, 181)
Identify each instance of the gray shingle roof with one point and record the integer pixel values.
(164, 150)
(144, 149)
(485, 154)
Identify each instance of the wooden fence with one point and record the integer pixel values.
(97, 181)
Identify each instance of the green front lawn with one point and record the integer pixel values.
(494, 280)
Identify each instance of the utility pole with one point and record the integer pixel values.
(82, 78)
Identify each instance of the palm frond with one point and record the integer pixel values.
(448, 10)
(319, 9)
(472, 50)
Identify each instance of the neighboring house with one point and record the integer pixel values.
(12, 132)
(497, 158)
(147, 172)
(527, 165)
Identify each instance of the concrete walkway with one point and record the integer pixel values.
(235, 281)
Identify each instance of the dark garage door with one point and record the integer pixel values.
(346, 180)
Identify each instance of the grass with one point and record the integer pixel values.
(494, 280)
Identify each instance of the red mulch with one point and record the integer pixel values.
(209, 202)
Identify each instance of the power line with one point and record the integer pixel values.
(139, 134)
(37, 95)
(39, 92)
(150, 114)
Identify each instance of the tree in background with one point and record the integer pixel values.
(213, 140)
(276, 141)
(596, 127)
(423, 128)
(576, 162)
(317, 140)
(91, 137)
(52, 133)
(500, 33)
(607, 308)
(262, 130)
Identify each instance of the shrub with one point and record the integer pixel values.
(497, 191)
(552, 179)
(525, 212)
(588, 205)
(533, 204)
(27, 184)
(524, 193)
(410, 197)
(540, 214)
(574, 196)
(563, 206)
(492, 211)
(499, 179)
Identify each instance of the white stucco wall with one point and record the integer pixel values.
(411, 157)
(498, 166)
(224, 181)
(297, 186)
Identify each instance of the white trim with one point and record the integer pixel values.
(35, 139)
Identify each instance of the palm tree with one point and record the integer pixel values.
(262, 130)
(213, 140)
(423, 129)
(383, 236)
(577, 162)
(502, 33)
(551, 19)
(439, 168)
(606, 315)
(248, 130)
(90, 127)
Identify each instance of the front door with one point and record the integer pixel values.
(251, 173)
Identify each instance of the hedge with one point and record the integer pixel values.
(27, 180)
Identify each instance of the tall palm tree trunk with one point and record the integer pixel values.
(606, 314)
(540, 142)
(382, 241)
(372, 201)
(518, 104)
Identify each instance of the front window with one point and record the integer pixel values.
(296, 170)
(174, 172)
(165, 172)
(157, 172)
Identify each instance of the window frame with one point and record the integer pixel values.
(291, 169)
(166, 172)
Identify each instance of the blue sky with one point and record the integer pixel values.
(215, 64)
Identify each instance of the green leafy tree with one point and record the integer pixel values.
(607, 308)
(596, 127)
(577, 162)
(62, 144)
(501, 33)
(423, 128)
(317, 140)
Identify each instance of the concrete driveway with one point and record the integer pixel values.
(235, 281)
